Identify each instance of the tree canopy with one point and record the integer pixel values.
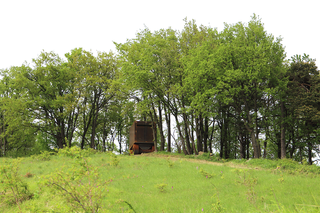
(230, 92)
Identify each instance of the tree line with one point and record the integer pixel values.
(230, 92)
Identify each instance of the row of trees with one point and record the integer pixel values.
(230, 92)
(56, 103)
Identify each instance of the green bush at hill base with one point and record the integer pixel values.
(13, 189)
(162, 183)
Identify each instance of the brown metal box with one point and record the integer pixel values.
(141, 137)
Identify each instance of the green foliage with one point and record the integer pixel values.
(250, 182)
(44, 156)
(205, 173)
(161, 187)
(170, 162)
(114, 160)
(245, 178)
(44, 103)
(75, 152)
(13, 190)
(217, 206)
(256, 189)
(81, 188)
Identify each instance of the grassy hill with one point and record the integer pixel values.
(84, 181)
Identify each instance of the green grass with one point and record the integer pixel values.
(172, 183)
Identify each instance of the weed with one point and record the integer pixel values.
(245, 178)
(170, 162)
(114, 161)
(205, 173)
(281, 179)
(216, 206)
(250, 182)
(161, 187)
(14, 189)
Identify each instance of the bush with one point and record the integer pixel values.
(44, 156)
(76, 152)
(80, 186)
(13, 190)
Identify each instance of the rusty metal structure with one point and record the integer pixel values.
(141, 138)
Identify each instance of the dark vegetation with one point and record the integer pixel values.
(230, 93)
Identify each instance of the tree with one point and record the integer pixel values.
(17, 134)
(95, 82)
(303, 101)
(235, 69)
(149, 66)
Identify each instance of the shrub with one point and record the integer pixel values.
(161, 187)
(13, 190)
(76, 152)
(79, 186)
(44, 156)
(114, 161)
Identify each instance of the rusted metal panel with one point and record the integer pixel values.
(141, 137)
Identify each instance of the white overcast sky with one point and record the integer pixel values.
(29, 26)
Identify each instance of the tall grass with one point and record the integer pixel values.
(171, 183)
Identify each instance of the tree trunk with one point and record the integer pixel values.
(93, 130)
(309, 152)
(248, 145)
(293, 142)
(168, 121)
(283, 131)
(120, 136)
(256, 148)
(185, 118)
(185, 151)
(154, 131)
(226, 141)
(177, 144)
(199, 131)
(192, 140)
(242, 144)
(221, 137)
(198, 134)
(211, 137)
(60, 135)
(265, 143)
(255, 145)
(206, 133)
(278, 138)
(160, 128)
(104, 135)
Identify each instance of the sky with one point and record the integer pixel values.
(29, 26)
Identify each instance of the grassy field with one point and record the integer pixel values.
(158, 183)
